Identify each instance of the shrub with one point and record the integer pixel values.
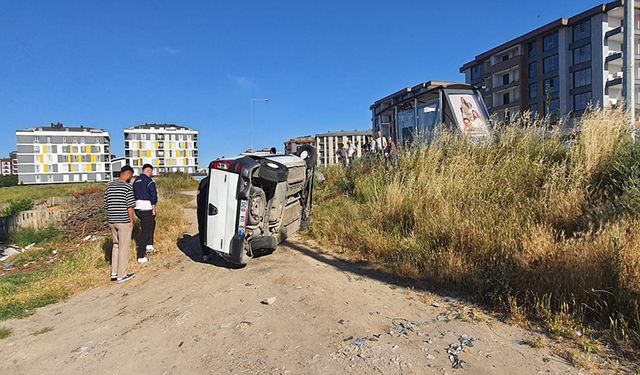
(522, 221)
(26, 236)
(16, 206)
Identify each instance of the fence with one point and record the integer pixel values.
(36, 219)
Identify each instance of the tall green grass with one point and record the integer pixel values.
(523, 222)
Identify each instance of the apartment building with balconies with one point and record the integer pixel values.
(167, 147)
(59, 154)
(558, 69)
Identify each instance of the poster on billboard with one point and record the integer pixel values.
(469, 113)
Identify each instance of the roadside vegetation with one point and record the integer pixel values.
(546, 232)
(38, 192)
(64, 263)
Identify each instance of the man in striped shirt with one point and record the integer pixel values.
(119, 202)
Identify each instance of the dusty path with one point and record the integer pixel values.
(188, 317)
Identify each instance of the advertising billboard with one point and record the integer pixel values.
(470, 116)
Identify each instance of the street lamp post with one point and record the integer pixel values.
(251, 101)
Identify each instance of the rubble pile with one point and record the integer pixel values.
(86, 216)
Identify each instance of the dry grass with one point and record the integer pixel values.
(524, 223)
(83, 266)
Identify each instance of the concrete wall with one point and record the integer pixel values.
(36, 219)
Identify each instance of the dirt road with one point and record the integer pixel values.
(328, 317)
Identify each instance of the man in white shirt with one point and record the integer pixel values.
(381, 144)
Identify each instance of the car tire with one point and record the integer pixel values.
(272, 171)
(309, 154)
(257, 197)
(263, 244)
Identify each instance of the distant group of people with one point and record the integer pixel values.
(124, 200)
(383, 148)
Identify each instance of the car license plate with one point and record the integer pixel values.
(242, 218)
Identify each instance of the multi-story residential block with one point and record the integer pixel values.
(13, 155)
(560, 68)
(168, 147)
(329, 143)
(59, 154)
(6, 167)
(291, 145)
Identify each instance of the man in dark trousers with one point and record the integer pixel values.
(202, 202)
(146, 194)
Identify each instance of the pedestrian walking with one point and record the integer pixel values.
(202, 200)
(146, 196)
(119, 203)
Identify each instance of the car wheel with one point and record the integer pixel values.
(309, 154)
(257, 206)
(272, 171)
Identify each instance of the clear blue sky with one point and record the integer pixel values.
(114, 64)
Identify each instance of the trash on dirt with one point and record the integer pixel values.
(54, 252)
(80, 350)
(181, 343)
(341, 321)
(8, 252)
(249, 284)
(430, 357)
(348, 338)
(359, 342)
(457, 347)
(404, 327)
(7, 267)
(268, 301)
(30, 246)
(435, 304)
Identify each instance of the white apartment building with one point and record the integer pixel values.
(6, 167)
(167, 147)
(560, 68)
(59, 154)
(329, 143)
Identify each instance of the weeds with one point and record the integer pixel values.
(523, 223)
(5, 332)
(25, 236)
(16, 206)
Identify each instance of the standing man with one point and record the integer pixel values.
(351, 151)
(381, 144)
(146, 195)
(119, 203)
(202, 202)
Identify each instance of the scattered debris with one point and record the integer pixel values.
(359, 342)
(30, 246)
(268, 301)
(181, 343)
(8, 252)
(7, 267)
(430, 357)
(457, 347)
(341, 321)
(249, 284)
(435, 304)
(54, 252)
(348, 338)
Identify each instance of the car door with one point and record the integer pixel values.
(222, 210)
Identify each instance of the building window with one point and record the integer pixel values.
(533, 90)
(476, 72)
(505, 98)
(533, 70)
(550, 64)
(505, 79)
(36, 139)
(582, 78)
(581, 101)
(505, 57)
(48, 139)
(550, 42)
(552, 107)
(532, 49)
(551, 85)
(582, 54)
(582, 30)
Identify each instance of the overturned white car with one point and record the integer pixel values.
(256, 201)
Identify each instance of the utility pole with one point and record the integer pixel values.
(629, 61)
(251, 101)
